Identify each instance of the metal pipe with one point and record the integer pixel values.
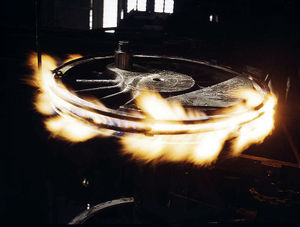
(37, 31)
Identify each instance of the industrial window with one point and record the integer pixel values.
(213, 18)
(122, 14)
(139, 5)
(164, 6)
(91, 15)
(110, 13)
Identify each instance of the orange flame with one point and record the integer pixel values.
(257, 130)
(200, 148)
(69, 129)
(199, 143)
(160, 109)
(62, 126)
(71, 57)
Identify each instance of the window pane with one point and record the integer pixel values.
(110, 13)
(91, 15)
(159, 6)
(141, 5)
(122, 14)
(169, 6)
(91, 20)
(131, 5)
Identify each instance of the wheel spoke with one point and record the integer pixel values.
(112, 95)
(97, 88)
(96, 81)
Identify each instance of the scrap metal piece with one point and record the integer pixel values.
(92, 211)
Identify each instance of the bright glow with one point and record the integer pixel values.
(122, 14)
(160, 109)
(131, 5)
(141, 5)
(214, 18)
(43, 99)
(110, 13)
(91, 15)
(257, 130)
(159, 6)
(91, 20)
(199, 148)
(110, 31)
(71, 57)
(69, 128)
(169, 6)
(164, 6)
(63, 126)
(166, 137)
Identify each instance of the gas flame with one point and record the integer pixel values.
(257, 130)
(62, 126)
(71, 57)
(201, 148)
(160, 109)
(69, 129)
(40, 79)
(170, 132)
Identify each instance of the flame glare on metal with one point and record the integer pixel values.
(243, 126)
(46, 102)
(168, 134)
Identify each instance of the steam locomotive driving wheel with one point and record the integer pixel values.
(160, 108)
(196, 85)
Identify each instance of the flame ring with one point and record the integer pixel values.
(101, 117)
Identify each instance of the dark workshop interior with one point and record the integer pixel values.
(46, 180)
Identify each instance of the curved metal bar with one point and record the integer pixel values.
(85, 215)
(96, 88)
(117, 114)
